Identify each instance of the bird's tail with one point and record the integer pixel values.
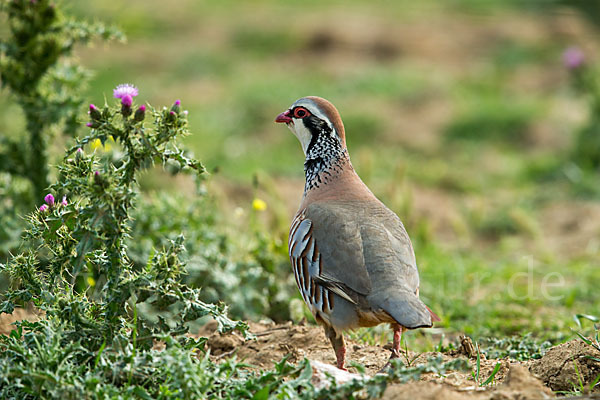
(434, 316)
(406, 308)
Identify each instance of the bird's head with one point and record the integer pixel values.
(313, 119)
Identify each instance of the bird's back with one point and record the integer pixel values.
(386, 252)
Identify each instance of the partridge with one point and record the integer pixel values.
(352, 259)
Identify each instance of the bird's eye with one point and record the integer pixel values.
(301, 112)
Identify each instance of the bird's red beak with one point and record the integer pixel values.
(284, 117)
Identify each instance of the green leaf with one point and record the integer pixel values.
(493, 374)
(85, 245)
(142, 393)
(359, 367)
(307, 372)
(586, 340)
(587, 316)
(7, 307)
(17, 332)
(262, 394)
(97, 360)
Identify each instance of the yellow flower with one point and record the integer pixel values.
(259, 205)
(91, 281)
(107, 144)
(95, 144)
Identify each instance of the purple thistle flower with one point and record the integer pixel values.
(175, 107)
(172, 113)
(98, 178)
(89, 124)
(64, 200)
(94, 112)
(573, 58)
(127, 100)
(43, 208)
(140, 113)
(49, 199)
(123, 90)
(80, 151)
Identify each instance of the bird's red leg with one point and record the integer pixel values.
(340, 354)
(398, 330)
(338, 346)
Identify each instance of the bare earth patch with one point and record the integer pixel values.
(19, 314)
(515, 380)
(518, 385)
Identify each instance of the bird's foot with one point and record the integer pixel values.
(388, 365)
(340, 354)
(385, 369)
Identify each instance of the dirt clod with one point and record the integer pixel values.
(466, 347)
(557, 368)
(520, 384)
(425, 391)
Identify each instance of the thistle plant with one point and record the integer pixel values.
(75, 267)
(38, 72)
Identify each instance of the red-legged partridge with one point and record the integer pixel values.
(351, 256)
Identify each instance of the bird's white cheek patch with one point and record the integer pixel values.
(300, 131)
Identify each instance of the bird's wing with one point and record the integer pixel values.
(358, 250)
(327, 249)
(363, 245)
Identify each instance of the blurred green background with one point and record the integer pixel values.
(460, 116)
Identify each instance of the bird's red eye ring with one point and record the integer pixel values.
(301, 112)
